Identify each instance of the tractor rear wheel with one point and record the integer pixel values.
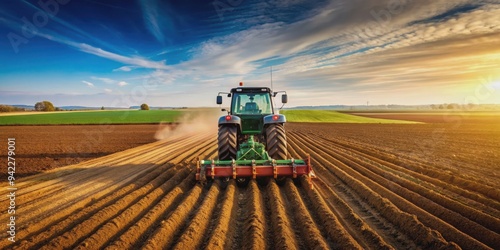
(276, 145)
(276, 142)
(227, 142)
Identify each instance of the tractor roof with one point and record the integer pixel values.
(251, 90)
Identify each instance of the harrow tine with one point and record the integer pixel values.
(254, 170)
(275, 169)
(233, 164)
(213, 169)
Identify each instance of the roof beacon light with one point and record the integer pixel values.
(241, 84)
(228, 118)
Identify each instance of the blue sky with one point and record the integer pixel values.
(182, 53)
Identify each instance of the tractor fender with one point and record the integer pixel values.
(223, 120)
(272, 119)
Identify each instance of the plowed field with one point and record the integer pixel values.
(365, 196)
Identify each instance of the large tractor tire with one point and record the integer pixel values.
(227, 142)
(276, 146)
(276, 142)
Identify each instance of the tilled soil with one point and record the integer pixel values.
(366, 196)
(41, 148)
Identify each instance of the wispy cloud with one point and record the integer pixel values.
(345, 44)
(124, 68)
(122, 83)
(111, 81)
(47, 33)
(104, 79)
(108, 90)
(137, 61)
(151, 16)
(89, 84)
(158, 18)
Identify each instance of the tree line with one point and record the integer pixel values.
(47, 106)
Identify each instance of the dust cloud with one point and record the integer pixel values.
(191, 123)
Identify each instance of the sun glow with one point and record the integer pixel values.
(496, 85)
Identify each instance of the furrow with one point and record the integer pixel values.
(164, 235)
(448, 180)
(87, 206)
(221, 233)
(406, 222)
(419, 182)
(421, 205)
(356, 227)
(284, 237)
(131, 237)
(74, 193)
(90, 173)
(309, 230)
(253, 228)
(87, 227)
(124, 220)
(192, 236)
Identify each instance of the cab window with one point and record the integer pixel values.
(251, 103)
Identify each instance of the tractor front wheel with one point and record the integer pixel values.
(227, 142)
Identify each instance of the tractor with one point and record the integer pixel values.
(252, 141)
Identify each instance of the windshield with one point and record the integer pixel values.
(251, 103)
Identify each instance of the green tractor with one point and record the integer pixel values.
(252, 140)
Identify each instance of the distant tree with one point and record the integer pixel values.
(102, 108)
(58, 109)
(433, 106)
(8, 108)
(144, 106)
(441, 106)
(44, 106)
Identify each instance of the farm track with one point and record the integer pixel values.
(147, 197)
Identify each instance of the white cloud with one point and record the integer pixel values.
(122, 83)
(108, 90)
(124, 68)
(135, 60)
(89, 84)
(104, 79)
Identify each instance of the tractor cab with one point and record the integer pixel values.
(250, 102)
(251, 105)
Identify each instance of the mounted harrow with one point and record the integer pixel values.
(253, 168)
(253, 162)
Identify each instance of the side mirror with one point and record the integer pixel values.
(284, 98)
(219, 99)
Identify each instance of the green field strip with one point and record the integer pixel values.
(92, 117)
(330, 116)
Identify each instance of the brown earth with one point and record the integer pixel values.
(377, 187)
(40, 148)
(453, 117)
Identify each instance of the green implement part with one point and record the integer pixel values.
(252, 150)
